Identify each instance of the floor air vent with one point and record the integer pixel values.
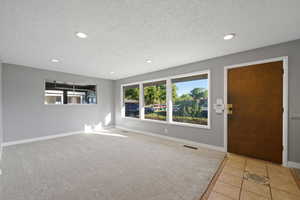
(190, 147)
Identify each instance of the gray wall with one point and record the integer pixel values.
(215, 135)
(1, 118)
(26, 116)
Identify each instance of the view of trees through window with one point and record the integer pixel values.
(190, 99)
(131, 101)
(155, 95)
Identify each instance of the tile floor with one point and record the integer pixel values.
(245, 178)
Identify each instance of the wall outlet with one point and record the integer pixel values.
(166, 130)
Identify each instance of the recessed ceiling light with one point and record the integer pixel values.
(229, 36)
(149, 61)
(112, 72)
(54, 60)
(81, 35)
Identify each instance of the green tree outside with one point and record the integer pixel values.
(186, 108)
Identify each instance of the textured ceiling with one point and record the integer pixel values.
(123, 34)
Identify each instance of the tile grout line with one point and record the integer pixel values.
(214, 180)
(294, 175)
(269, 185)
(283, 190)
(243, 178)
(225, 183)
(217, 180)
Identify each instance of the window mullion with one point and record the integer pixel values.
(122, 102)
(141, 102)
(169, 100)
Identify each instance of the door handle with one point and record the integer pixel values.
(229, 109)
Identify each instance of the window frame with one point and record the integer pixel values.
(143, 105)
(73, 94)
(69, 104)
(169, 100)
(45, 96)
(123, 104)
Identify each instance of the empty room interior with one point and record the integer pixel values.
(149, 100)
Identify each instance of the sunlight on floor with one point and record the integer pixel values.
(106, 133)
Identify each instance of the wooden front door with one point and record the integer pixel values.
(255, 125)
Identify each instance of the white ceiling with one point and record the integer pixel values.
(123, 34)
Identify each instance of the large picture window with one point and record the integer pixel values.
(155, 95)
(180, 100)
(57, 92)
(131, 101)
(190, 99)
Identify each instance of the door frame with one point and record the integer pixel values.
(284, 59)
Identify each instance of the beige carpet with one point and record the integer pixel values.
(110, 165)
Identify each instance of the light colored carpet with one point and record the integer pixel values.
(110, 165)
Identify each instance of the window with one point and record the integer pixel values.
(75, 97)
(155, 100)
(190, 99)
(131, 101)
(57, 92)
(53, 97)
(181, 100)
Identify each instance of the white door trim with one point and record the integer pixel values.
(285, 102)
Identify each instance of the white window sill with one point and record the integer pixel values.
(170, 123)
(155, 121)
(190, 125)
(70, 104)
(133, 118)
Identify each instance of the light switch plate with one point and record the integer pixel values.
(219, 106)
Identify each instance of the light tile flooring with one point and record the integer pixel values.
(245, 178)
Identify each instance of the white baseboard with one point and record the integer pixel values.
(183, 141)
(5, 144)
(292, 164)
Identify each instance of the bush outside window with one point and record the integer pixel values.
(188, 96)
(131, 101)
(190, 100)
(155, 95)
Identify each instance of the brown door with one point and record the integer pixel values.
(255, 125)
